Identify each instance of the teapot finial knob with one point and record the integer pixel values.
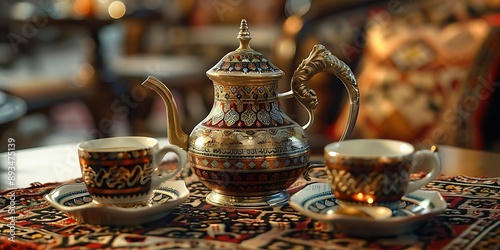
(244, 35)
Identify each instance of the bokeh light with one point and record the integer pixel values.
(117, 9)
(82, 7)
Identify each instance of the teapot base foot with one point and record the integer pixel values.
(258, 202)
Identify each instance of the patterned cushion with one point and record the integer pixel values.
(416, 77)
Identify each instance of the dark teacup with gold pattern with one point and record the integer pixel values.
(377, 171)
(123, 171)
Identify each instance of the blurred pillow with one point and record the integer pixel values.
(416, 77)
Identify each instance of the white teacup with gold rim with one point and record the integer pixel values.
(376, 171)
(123, 171)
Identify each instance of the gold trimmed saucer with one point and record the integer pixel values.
(317, 201)
(76, 202)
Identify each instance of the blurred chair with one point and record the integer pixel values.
(54, 70)
(131, 54)
(179, 55)
(426, 70)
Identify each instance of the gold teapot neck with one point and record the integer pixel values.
(244, 35)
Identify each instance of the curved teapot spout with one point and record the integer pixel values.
(174, 131)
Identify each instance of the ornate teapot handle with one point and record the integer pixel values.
(321, 60)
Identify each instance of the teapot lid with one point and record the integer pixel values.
(244, 61)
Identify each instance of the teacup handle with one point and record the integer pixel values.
(158, 178)
(430, 160)
(313, 165)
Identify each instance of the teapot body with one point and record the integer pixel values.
(247, 146)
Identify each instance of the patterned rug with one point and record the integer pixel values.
(471, 221)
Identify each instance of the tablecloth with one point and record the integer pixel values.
(471, 221)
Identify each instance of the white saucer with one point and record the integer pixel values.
(74, 200)
(317, 201)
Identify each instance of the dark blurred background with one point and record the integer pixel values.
(71, 70)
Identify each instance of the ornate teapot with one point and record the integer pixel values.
(247, 150)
